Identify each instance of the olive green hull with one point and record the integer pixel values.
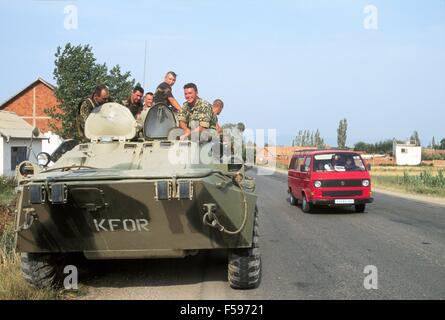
(108, 218)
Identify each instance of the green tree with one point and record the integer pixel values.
(318, 140)
(362, 146)
(307, 138)
(442, 144)
(381, 147)
(240, 126)
(297, 140)
(120, 85)
(415, 138)
(77, 74)
(341, 133)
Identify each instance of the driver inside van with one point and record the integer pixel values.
(350, 165)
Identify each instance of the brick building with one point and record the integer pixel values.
(30, 102)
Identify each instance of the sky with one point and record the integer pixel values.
(283, 65)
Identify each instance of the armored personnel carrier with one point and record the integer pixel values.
(129, 196)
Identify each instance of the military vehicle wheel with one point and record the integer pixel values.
(40, 270)
(360, 208)
(306, 206)
(244, 268)
(293, 201)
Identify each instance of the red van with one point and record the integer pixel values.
(329, 177)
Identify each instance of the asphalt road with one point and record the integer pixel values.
(305, 256)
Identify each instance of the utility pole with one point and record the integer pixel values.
(145, 61)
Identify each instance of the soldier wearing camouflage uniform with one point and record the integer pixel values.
(217, 107)
(99, 97)
(196, 113)
(163, 93)
(134, 101)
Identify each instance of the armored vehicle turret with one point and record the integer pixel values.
(136, 194)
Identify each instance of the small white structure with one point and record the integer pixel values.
(15, 142)
(407, 154)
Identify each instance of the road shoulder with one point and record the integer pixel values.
(411, 196)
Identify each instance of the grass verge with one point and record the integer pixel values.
(425, 182)
(12, 284)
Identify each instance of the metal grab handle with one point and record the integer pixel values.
(30, 217)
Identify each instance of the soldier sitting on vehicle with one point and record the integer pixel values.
(148, 103)
(196, 113)
(134, 101)
(217, 107)
(99, 97)
(148, 100)
(163, 93)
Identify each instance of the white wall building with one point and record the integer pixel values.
(407, 154)
(15, 142)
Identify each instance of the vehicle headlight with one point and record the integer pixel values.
(317, 184)
(43, 159)
(365, 183)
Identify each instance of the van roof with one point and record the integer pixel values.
(322, 151)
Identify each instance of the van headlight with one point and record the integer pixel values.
(365, 183)
(317, 184)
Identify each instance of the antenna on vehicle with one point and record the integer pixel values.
(145, 60)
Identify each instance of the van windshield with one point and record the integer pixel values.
(338, 162)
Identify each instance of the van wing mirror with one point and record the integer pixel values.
(302, 168)
(368, 167)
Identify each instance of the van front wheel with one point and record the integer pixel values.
(360, 208)
(306, 206)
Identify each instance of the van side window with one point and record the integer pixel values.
(296, 164)
(299, 163)
(307, 164)
(292, 163)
